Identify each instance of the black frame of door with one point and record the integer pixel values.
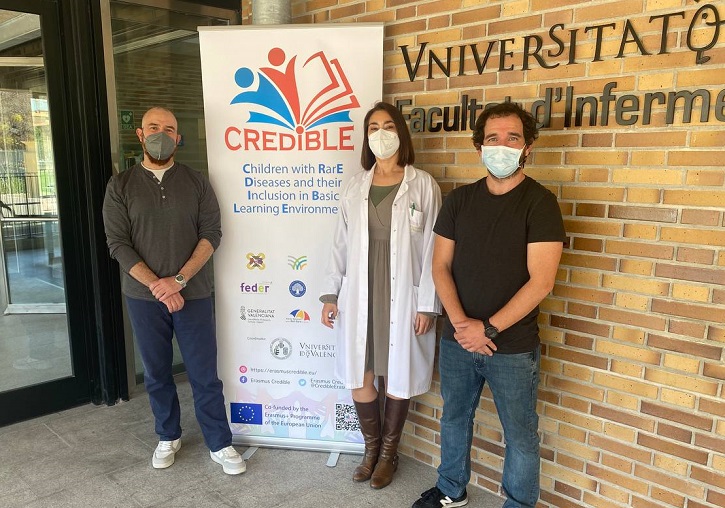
(73, 53)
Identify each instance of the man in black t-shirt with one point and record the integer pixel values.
(497, 250)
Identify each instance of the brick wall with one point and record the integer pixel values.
(631, 395)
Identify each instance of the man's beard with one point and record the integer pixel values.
(522, 163)
(154, 160)
(158, 162)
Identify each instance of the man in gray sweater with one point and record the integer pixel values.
(162, 225)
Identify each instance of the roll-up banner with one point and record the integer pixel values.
(284, 108)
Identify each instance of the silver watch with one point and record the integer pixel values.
(181, 280)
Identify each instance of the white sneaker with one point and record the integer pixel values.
(164, 453)
(231, 461)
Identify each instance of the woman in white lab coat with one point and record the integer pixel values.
(378, 292)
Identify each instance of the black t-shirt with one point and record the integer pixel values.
(489, 261)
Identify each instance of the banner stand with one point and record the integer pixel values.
(306, 445)
(283, 110)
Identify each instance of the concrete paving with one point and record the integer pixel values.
(101, 457)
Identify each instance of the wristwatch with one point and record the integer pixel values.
(181, 280)
(489, 330)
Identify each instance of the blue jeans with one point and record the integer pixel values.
(513, 380)
(195, 330)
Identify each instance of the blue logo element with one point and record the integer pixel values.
(297, 288)
(245, 412)
(302, 382)
(243, 379)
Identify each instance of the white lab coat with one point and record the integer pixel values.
(416, 206)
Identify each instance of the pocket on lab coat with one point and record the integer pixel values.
(417, 220)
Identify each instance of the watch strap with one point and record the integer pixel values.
(489, 330)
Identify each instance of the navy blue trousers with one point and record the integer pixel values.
(195, 331)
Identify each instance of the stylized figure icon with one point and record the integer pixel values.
(278, 94)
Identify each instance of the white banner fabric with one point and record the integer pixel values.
(284, 108)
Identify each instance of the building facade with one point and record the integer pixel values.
(631, 101)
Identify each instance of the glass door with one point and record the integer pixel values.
(34, 345)
(43, 343)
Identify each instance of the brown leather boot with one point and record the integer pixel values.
(396, 411)
(368, 413)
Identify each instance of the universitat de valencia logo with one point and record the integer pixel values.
(297, 103)
(280, 348)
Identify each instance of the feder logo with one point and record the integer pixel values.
(285, 116)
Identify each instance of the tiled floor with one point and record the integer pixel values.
(100, 457)
(34, 348)
(34, 345)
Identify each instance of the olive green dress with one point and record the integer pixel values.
(380, 208)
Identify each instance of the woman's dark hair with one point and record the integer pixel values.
(406, 155)
(531, 132)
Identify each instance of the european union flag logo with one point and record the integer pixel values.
(245, 412)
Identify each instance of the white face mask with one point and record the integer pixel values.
(501, 161)
(383, 143)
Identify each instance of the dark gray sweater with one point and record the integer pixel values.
(160, 223)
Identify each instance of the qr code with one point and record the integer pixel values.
(346, 417)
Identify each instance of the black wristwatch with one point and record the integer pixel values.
(489, 330)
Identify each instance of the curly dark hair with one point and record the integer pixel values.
(406, 155)
(531, 132)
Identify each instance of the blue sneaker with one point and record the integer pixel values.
(434, 498)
